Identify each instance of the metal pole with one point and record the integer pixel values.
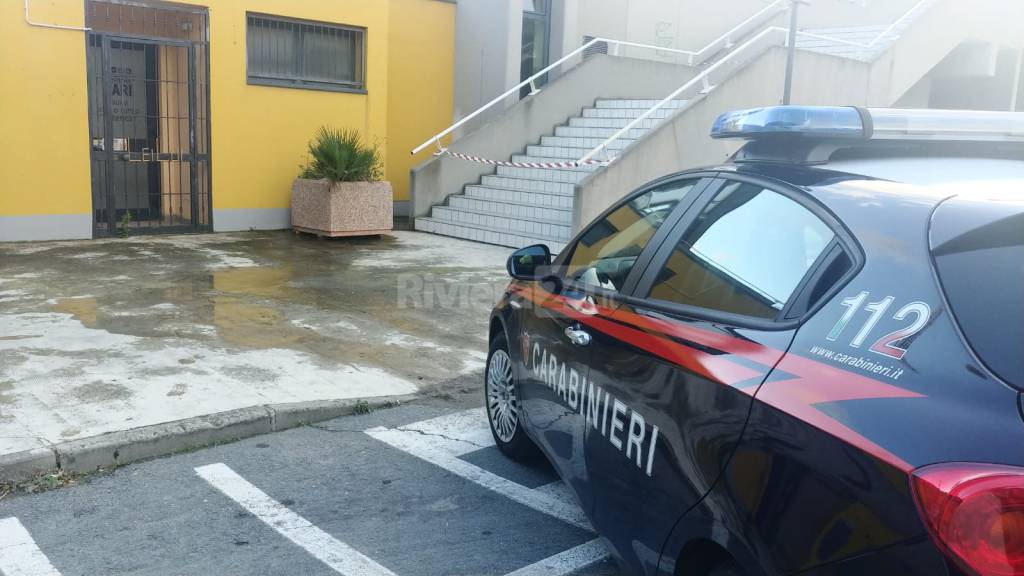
(1016, 81)
(787, 89)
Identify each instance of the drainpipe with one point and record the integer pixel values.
(29, 21)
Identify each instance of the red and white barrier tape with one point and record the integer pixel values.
(563, 164)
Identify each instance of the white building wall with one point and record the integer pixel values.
(487, 57)
(487, 51)
(692, 24)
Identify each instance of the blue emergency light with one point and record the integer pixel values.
(841, 122)
(814, 121)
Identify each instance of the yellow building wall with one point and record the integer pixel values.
(44, 118)
(258, 133)
(421, 82)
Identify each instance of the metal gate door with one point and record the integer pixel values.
(149, 131)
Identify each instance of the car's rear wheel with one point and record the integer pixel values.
(501, 393)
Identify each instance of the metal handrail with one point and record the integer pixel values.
(693, 57)
(897, 22)
(698, 79)
(530, 82)
(703, 76)
(726, 39)
(877, 38)
(437, 137)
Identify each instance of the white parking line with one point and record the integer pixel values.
(19, 555)
(340, 556)
(460, 432)
(422, 447)
(442, 440)
(573, 559)
(556, 489)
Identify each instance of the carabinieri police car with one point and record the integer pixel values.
(809, 360)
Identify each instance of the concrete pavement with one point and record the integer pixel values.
(113, 335)
(414, 490)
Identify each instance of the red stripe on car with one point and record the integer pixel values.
(813, 383)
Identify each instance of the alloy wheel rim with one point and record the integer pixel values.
(502, 402)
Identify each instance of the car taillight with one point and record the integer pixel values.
(976, 514)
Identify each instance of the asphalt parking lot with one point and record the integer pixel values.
(417, 489)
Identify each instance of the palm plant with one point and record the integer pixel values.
(340, 156)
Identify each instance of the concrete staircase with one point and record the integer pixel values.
(520, 206)
(863, 35)
(839, 41)
(517, 207)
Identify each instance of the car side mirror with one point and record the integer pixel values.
(530, 263)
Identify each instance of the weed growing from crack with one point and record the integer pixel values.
(126, 219)
(42, 483)
(364, 407)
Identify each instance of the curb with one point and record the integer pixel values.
(21, 466)
(122, 447)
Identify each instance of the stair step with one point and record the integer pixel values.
(557, 152)
(528, 185)
(602, 103)
(503, 222)
(581, 142)
(537, 213)
(845, 32)
(535, 159)
(518, 207)
(845, 51)
(548, 175)
(539, 199)
(612, 122)
(601, 134)
(806, 42)
(833, 40)
(626, 112)
(483, 234)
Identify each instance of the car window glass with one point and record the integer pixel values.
(745, 254)
(984, 239)
(607, 251)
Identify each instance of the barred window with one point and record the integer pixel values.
(303, 54)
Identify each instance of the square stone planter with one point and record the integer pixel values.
(343, 208)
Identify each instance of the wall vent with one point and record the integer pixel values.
(597, 48)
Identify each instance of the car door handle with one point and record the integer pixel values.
(577, 336)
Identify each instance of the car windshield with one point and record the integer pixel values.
(979, 254)
(618, 254)
(606, 252)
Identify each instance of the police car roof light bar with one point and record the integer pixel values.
(891, 123)
(810, 121)
(848, 122)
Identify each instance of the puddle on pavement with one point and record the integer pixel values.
(253, 326)
(301, 295)
(257, 281)
(83, 309)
